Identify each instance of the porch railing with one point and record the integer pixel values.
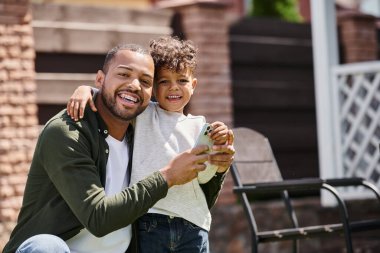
(356, 100)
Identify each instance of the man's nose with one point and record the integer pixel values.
(135, 84)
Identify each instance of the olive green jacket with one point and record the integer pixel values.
(65, 188)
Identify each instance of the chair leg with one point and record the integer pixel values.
(255, 245)
(344, 216)
(295, 246)
(292, 216)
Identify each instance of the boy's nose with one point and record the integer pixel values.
(173, 86)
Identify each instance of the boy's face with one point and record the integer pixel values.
(126, 88)
(173, 90)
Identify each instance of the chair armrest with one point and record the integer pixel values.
(305, 184)
(293, 184)
(356, 181)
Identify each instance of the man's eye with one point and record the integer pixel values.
(146, 83)
(124, 74)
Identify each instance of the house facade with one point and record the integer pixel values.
(48, 49)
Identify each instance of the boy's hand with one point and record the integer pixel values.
(77, 103)
(219, 133)
(225, 154)
(185, 166)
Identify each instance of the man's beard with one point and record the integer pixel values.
(124, 114)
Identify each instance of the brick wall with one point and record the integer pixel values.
(357, 37)
(18, 121)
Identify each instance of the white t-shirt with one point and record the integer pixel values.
(116, 181)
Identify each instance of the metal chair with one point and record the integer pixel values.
(255, 172)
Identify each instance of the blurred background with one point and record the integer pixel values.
(256, 69)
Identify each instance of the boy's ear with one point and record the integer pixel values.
(194, 84)
(99, 79)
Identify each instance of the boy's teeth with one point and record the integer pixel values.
(173, 97)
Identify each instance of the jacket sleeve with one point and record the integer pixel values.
(212, 188)
(66, 152)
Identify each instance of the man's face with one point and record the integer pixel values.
(126, 88)
(174, 89)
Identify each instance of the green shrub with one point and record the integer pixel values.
(283, 9)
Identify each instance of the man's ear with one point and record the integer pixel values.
(194, 84)
(99, 79)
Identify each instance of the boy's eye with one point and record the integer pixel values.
(163, 82)
(183, 81)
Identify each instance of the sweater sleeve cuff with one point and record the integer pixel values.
(219, 176)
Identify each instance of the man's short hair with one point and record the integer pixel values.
(131, 47)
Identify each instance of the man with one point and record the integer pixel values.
(76, 197)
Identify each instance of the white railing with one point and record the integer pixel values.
(356, 101)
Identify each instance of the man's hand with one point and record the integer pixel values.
(225, 154)
(185, 166)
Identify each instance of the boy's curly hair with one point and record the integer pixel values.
(174, 54)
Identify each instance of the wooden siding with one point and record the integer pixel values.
(273, 89)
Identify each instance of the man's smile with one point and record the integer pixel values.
(128, 97)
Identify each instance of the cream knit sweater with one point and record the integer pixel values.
(159, 136)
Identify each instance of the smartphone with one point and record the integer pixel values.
(203, 138)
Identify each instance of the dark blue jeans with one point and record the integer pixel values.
(163, 234)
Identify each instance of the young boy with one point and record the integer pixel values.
(180, 222)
